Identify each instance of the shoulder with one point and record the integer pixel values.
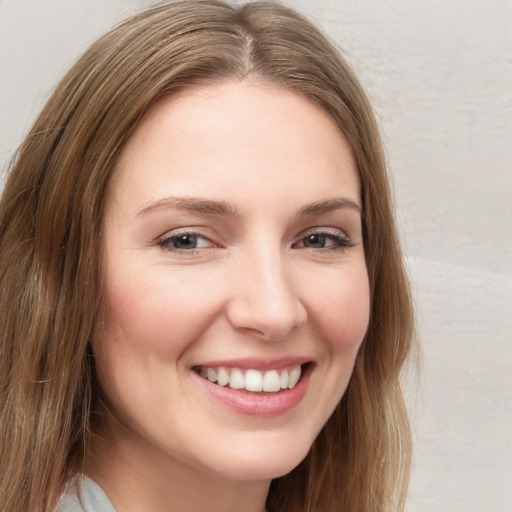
(83, 495)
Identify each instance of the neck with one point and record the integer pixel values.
(139, 478)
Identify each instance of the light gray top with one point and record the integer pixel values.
(84, 495)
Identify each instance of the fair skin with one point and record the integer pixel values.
(233, 245)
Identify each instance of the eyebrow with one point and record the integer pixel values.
(223, 208)
(194, 204)
(330, 205)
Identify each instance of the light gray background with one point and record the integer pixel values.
(439, 73)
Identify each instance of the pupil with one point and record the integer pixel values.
(316, 241)
(185, 242)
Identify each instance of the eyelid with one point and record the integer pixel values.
(325, 230)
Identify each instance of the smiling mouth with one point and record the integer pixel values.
(270, 381)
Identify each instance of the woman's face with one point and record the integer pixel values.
(233, 261)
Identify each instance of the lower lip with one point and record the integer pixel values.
(266, 405)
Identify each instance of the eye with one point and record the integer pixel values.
(322, 240)
(184, 242)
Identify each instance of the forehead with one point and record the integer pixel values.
(226, 138)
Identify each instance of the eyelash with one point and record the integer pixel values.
(340, 241)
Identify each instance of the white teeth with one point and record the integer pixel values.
(294, 377)
(253, 380)
(284, 379)
(236, 379)
(270, 381)
(222, 377)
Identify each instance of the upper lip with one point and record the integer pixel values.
(257, 363)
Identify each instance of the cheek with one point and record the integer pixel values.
(342, 310)
(155, 314)
(148, 322)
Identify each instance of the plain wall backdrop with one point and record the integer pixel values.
(439, 74)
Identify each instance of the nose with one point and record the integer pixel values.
(264, 301)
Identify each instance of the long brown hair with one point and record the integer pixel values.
(50, 253)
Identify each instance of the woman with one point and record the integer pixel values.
(203, 301)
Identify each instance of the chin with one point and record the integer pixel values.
(262, 464)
